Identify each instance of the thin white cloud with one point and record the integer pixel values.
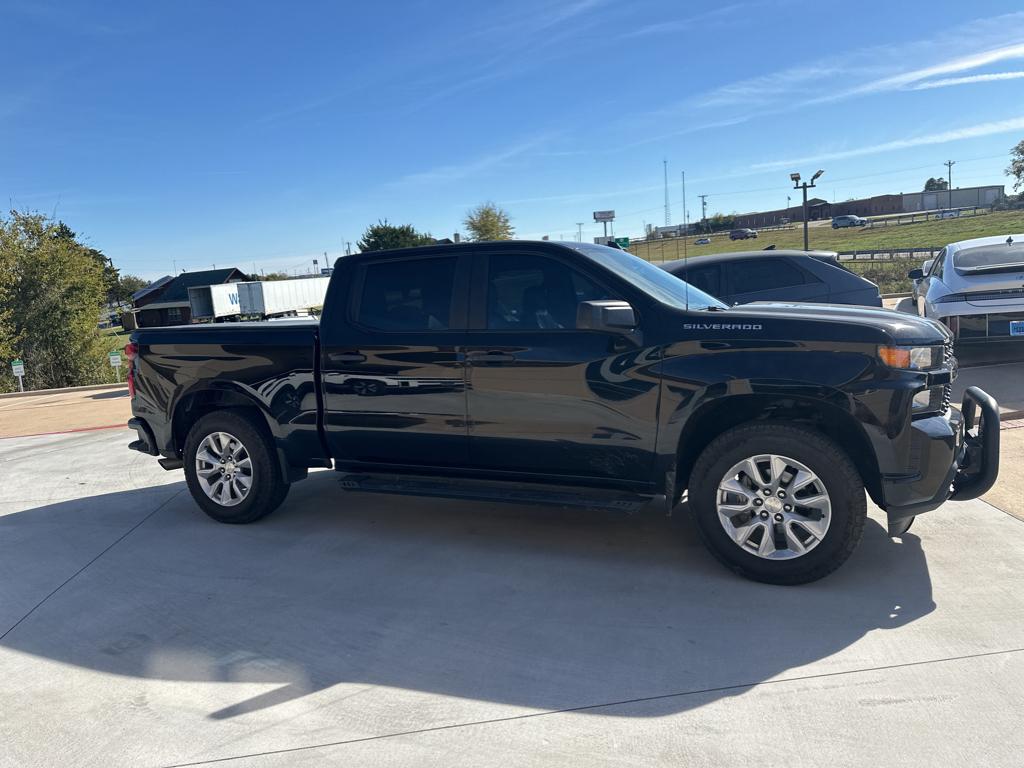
(951, 66)
(459, 171)
(968, 80)
(682, 25)
(877, 69)
(944, 137)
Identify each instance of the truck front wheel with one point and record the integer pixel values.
(778, 504)
(230, 469)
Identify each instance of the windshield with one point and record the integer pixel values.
(648, 278)
(986, 257)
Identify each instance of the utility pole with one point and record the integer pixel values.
(668, 215)
(579, 233)
(795, 178)
(348, 248)
(704, 212)
(686, 230)
(949, 183)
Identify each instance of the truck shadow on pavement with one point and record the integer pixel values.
(543, 608)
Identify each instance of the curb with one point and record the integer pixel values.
(86, 388)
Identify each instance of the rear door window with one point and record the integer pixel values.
(708, 279)
(407, 295)
(755, 275)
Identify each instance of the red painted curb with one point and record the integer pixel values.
(67, 431)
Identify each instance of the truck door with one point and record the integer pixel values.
(392, 365)
(545, 398)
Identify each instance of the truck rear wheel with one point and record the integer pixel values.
(778, 504)
(231, 470)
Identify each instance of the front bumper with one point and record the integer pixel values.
(952, 460)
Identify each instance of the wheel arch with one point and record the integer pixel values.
(724, 413)
(197, 403)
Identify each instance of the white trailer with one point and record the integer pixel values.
(214, 302)
(273, 298)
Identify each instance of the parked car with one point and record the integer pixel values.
(778, 275)
(976, 287)
(743, 234)
(915, 284)
(947, 215)
(573, 374)
(839, 222)
(702, 241)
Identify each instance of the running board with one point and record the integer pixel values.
(494, 491)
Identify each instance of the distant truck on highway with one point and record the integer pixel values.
(261, 299)
(574, 374)
(277, 298)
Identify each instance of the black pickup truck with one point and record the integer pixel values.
(574, 374)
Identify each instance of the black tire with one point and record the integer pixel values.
(821, 456)
(268, 487)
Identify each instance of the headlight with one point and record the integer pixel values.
(912, 358)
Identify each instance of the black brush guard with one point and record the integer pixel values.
(979, 463)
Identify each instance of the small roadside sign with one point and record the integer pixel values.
(623, 242)
(115, 363)
(18, 369)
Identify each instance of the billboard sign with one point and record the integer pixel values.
(604, 215)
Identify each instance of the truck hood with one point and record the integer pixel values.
(873, 322)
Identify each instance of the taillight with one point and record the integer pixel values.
(131, 351)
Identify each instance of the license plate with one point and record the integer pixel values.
(1017, 327)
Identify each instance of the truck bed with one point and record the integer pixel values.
(185, 369)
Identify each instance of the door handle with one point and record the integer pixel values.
(345, 357)
(492, 356)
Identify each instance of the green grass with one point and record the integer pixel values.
(890, 275)
(926, 234)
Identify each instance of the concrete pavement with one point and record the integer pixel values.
(374, 630)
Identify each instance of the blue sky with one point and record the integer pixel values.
(238, 133)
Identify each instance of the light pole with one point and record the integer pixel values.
(686, 231)
(949, 184)
(579, 231)
(795, 178)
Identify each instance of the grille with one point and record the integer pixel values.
(949, 361)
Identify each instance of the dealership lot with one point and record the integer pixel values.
(355, 629)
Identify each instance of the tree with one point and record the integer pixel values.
(488, 222)
(1016, 167)
(936, 185)
(269, 276)
(125, 286)
(52, 292)
(382, 236)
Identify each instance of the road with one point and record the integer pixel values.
(351, 629)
